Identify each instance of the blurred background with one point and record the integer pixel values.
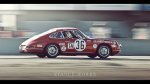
(127, 23)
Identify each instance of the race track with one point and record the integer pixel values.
(26, 67)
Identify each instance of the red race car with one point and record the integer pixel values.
(68, 41)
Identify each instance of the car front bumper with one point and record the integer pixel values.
(116, 49)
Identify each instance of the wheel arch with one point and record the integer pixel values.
(50, 44)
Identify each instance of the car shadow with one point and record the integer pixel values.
(114, 59)
(75, 58)
(82, 58)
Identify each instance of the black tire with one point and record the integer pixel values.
(103, 51)
(52, 51)
(92, 56)
(41, 55)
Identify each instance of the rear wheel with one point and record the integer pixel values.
(103, 51)
(52, 51)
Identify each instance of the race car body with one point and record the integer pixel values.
(69, 41)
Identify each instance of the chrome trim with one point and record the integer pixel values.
(116, 50)
(120, 45)
(62, 34)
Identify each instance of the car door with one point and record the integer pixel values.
(83, 43)
(77, 43)
(69, 41)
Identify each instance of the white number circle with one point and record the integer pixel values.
(79, 44)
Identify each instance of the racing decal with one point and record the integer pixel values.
(94, 45)
(39, 45)
(101, 41)
(113, 45)
(61, 43)
(70, 46)
(97, 41)
(63, 48)
(79, 44)
(106, 41)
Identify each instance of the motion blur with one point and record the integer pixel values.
(127, 23)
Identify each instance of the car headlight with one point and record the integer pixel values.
(114, 43)
(22, 47)
(120, 45)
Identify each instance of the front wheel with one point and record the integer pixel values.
(103, 51)
(52, 51)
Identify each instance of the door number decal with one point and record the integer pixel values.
(79, 44)
(70, 46)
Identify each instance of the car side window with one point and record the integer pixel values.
(52, 35)
(59, 35)
(69, 34)
(56, 35)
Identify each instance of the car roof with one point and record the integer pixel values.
(65, 28)
(57, 29)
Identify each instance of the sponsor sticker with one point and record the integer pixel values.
(97, 41)
(94, 45)
(63, 48)
(106, 41)
(39, 45)
(61, 43)
(70, 46)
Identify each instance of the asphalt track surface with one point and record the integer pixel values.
(31, 67)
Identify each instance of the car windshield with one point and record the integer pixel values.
(84, 34)
(74, 34)
(78, 34)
